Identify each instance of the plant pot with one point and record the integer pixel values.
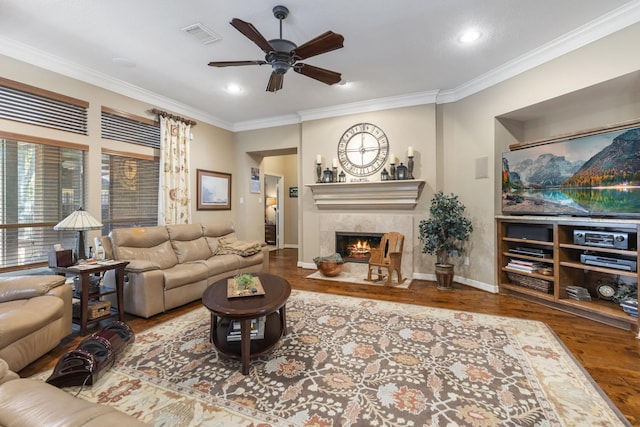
(444, 276)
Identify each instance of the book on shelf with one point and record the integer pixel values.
(526, 266)
(257, 329)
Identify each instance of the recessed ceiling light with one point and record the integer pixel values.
(234, 88)
(469, 36)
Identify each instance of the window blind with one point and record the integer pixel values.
(129, 191)
(27, 104)
(125, 127)
(40, 184)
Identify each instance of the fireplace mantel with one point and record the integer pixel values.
(398, 194)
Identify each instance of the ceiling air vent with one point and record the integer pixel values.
(202, 33)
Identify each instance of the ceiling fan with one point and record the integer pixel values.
(283, 54)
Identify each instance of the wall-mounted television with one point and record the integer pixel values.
(594, 175)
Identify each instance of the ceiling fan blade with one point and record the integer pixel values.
(234, 63)
(275, 82)
(252, 34)
(325, 76)
(323, 43)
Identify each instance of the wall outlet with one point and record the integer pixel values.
(466, 260)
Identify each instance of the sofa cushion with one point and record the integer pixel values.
(188, 242)
(27, 402)
(184, 274)
(218, 229)
(144, 243)
(23, 287)
(22, 317)
(219, 264)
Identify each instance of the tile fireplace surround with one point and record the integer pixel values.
(364, 223)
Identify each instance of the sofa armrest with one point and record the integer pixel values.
(140, 266)
(24, 287)
(6, 374)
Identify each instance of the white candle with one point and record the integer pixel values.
(335, 163)
(410, 151)
(392, 159)
(318, 159)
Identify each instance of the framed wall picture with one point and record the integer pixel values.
(255, 180)
(293, 191)
(214, 190)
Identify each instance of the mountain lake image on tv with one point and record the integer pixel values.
(595, 175)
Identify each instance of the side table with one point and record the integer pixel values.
(84, 272)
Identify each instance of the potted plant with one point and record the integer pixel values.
(444, 234)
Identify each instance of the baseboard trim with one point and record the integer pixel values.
(432, 277)
(462, 280)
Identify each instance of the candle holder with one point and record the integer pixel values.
(335, 174)
(342, 177)
(410, 167)
(319, 172)
(392, 171)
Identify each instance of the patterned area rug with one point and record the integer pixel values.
(357, 362)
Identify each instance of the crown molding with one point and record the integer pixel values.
(379, 104)
(603, 26)
(39, 58)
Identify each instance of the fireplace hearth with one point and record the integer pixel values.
(356, 246)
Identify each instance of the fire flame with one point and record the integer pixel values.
(360, 248)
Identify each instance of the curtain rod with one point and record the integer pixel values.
(173, 116)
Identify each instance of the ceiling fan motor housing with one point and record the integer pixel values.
(281, 59)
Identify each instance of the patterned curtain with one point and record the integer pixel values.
(174, 200)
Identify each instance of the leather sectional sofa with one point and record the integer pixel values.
(35, 314)
(27, 402)
(172, 265)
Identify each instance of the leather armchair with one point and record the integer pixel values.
(26, 402)
(35, 314)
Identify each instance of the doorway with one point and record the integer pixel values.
(273, 210)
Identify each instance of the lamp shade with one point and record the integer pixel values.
(271, 201)
(78, 221)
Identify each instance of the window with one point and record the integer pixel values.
(129, 190)
(41, 182)
(124, 127)
(28, 104)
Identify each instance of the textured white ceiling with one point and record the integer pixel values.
(398, 51)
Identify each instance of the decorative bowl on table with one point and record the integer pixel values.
(329, 266)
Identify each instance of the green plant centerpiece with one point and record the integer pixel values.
(245, 282)
(444, 233)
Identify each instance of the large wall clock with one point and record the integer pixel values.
(363, 149)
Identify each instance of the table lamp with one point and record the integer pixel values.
(79, 221)
(271, 201)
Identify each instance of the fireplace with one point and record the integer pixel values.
(356, 246)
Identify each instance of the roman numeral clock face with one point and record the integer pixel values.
(363, 149)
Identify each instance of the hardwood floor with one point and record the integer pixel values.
(610, 355)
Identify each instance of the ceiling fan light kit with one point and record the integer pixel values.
(283, 54)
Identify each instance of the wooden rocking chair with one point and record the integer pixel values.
(388, 256)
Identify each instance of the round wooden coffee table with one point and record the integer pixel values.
(270, 305)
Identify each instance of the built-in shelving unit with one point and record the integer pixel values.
(559, 258)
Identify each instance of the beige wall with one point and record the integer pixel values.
(404, 127)
(251, 147)
(450, 141)
(470, 127)
(286, 167)
(211, 147)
